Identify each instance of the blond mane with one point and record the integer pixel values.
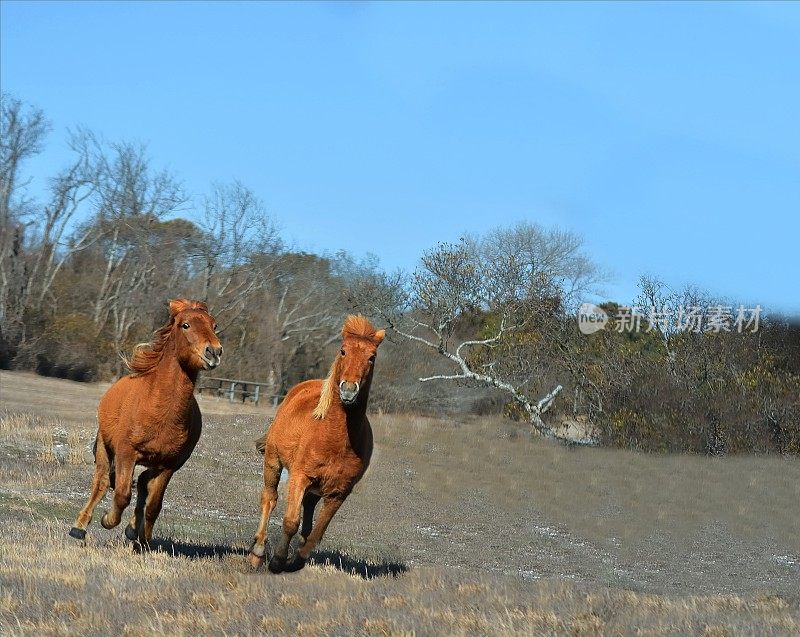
(327, 393)
(355, 326)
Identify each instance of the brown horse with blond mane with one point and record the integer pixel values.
(151, 418)
(322, 436)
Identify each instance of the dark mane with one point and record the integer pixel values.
(146, 356)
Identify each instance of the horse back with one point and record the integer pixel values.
(298, 404)
(303, 395)
(120, 398)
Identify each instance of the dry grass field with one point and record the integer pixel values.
(458, 528)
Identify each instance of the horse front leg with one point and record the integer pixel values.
(125, 464)
(100, 484)
(298, 483)
(269, 498)
(329, 508)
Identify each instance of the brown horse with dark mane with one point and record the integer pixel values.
(322, 436)
(151, 418)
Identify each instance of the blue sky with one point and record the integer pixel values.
(668, 135)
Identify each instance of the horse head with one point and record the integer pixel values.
(194, 330)
(360, 341)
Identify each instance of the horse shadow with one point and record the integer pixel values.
(194, 551)
(364, 569)
(352, 566)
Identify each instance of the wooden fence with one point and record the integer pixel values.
(235, 390)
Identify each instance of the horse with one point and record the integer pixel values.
(322, 436)
(151, 418)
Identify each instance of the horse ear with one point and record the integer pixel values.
(178, 305)
(379, 336)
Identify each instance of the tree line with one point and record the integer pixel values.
(486, 324)
(85, 274)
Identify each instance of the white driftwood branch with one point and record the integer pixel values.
(534, 411)
(545, 403)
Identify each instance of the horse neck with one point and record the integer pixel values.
(173, 385)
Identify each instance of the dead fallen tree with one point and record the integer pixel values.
(508, 291)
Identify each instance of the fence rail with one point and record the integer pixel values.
(234, 390)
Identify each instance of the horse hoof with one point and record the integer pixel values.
(256, 561)
(78, 534)
(295, 565)
(130, 533)
(104, 523)
(276, 565)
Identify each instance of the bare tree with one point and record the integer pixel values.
(70, 192)
(661, 306)
(517, 283)
(22, 132)
(130, 199)
(305, 314)
(553, 256)
(235, 256)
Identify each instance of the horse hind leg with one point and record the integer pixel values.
(155, 498)
(310, 501)
(111, 465)
(135, 527)
(100, 484)
(269, 498)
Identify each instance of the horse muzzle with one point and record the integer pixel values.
(348, 392)
(211, 357)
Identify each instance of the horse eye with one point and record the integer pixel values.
(185, 326)
(342, 352)
(372, 358)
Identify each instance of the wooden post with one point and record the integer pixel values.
(255, 395)
(233, 391)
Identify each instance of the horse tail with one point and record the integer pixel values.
(112, 474)
(261, 444)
